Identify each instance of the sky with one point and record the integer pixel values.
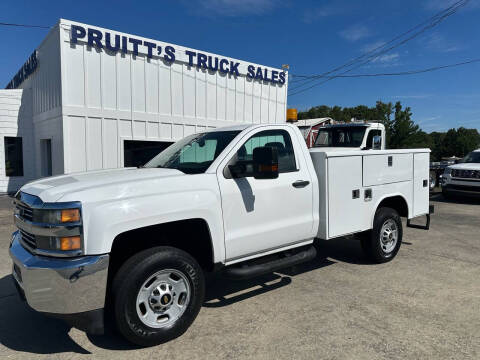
(313, 37)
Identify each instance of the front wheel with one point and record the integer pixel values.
(382, 243)
(157, 295)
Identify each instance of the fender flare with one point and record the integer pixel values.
(385, 197)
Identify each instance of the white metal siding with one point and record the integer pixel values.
(34, 114)
(112, 97)
(88, 101)
(16, 121)
(45, 81)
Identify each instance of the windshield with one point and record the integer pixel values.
(340, 137)
(193, 154)
(473, 157)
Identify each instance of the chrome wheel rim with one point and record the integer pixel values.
(389, 236)
(163, 298)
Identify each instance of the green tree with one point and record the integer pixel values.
(457, 142)
(404, 133)
(401, 130)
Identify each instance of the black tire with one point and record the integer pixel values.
(132, 275)
(371, 241)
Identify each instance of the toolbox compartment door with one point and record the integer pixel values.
(421, 188)
(387, 168)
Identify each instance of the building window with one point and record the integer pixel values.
(13, 156)
(138, 153)
(46, 157)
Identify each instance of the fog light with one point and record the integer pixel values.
(70, 215)
(70, 243)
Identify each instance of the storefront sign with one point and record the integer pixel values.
(25, 71)
(116, 43)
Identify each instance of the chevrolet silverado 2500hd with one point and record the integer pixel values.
(243, 200)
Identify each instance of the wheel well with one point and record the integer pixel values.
(191, 236)
(397, 203)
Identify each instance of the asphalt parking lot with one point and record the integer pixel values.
(425, 304)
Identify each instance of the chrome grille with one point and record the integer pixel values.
(24, 211)
(28, 239)
(466, 174)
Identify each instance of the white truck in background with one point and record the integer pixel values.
(243, 200)
(361, 135)
(463, 179)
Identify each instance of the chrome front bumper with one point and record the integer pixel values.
(60, 285)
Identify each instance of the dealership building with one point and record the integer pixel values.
(89, 98)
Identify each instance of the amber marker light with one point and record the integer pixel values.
(70, 243)
(70, 215)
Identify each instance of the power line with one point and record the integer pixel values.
(24, 25)
(380, 50)
(410, 72)
(376, 52)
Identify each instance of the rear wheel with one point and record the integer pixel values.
(382, 243)
(157, 295)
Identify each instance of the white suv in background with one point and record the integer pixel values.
(463, 178)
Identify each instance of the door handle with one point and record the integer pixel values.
(300, 183)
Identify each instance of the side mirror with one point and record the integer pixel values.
(377, 143)
(237, 170)
(265, 163)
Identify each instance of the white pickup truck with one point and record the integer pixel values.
(243, 200)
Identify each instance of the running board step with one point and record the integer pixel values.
(241, 272)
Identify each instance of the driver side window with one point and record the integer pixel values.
(279, 139)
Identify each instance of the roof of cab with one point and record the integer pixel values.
(248, 126)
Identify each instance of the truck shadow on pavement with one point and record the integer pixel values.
(23, 329)
(466, 200)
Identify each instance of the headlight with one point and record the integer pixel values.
(56, 216)
(65, 243)
(448, 171)
(69, 215)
